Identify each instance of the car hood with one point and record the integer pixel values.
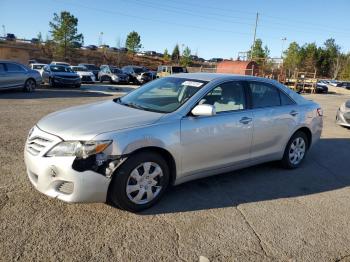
(86, 121)
(65, 74)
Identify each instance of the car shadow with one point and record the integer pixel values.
(42, 93)
(326, 168)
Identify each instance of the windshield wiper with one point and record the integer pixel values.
(137, 106)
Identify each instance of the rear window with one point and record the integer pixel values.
(264, 95)
(14, 68)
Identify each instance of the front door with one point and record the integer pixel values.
(221, 140)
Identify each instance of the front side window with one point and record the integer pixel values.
(226, 97)
(14, 68)
(164, 95)
(264, 95)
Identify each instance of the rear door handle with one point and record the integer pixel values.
(293, 113)
(245, 120)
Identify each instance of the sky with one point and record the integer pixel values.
(219, 28)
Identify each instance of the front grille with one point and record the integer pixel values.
(86, 78)
(67, 76)
(65, 187)
(37, 144)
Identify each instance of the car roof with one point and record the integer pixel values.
(215, 76)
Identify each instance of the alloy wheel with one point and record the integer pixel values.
(30, 85)
(297, 150)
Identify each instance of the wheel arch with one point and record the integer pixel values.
(307, 132)
(168, 157)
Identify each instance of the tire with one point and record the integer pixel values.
(29, 85)
(125, 178)
(293, 157)
(101, 80)
(51, 83)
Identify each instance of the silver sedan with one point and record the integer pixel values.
(167, 132)
(15, 75)
(343, 114)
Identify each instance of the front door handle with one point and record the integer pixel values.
(245, 120)
(293, 113)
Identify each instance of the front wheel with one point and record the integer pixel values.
(140, 182)
(295, 151)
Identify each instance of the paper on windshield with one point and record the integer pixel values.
(192, 83)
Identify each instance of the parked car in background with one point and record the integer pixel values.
(113, 75)
(343, 114)
(169, 70)
(38, 67)
(60, 75)
(92, 68)
(10, 37)
(85, 75)
(346, 85)
(59, 63)
(137, 74)
(169, 131)
(16, 75)
(322, 86)
(335, 83)
(89, 47)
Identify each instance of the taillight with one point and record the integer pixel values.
(319, 112)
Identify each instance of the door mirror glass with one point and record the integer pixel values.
(203, 110)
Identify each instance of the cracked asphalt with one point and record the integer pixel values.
(262, 213)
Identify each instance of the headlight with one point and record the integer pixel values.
(114, 77)
(78, 148)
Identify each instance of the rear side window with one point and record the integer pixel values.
(264, 95)
(14, 68)
(286, 100)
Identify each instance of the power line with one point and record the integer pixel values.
(265, 17)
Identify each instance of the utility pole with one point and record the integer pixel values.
(3, 31)
(256, 26)
(100, 39)
(283, 41)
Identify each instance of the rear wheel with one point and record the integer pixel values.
(140, 182)
(295, 151)
(29, 85)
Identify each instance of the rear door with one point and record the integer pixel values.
(17, 74)
(221, 140)
(275, 115)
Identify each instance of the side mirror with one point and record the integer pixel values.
(204, 110)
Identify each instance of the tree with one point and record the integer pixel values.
(64, 33)
(176, 53)
(166, 55)
(309, 57)
(258, 52)
(133, 42)
(186, 57)
(291, 59)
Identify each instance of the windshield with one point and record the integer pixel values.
(164, 95)
(177, 69)
(138, 70)
(116, 71)
(58, 68)
(83, 69)
(38, 66)
(92, 67)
